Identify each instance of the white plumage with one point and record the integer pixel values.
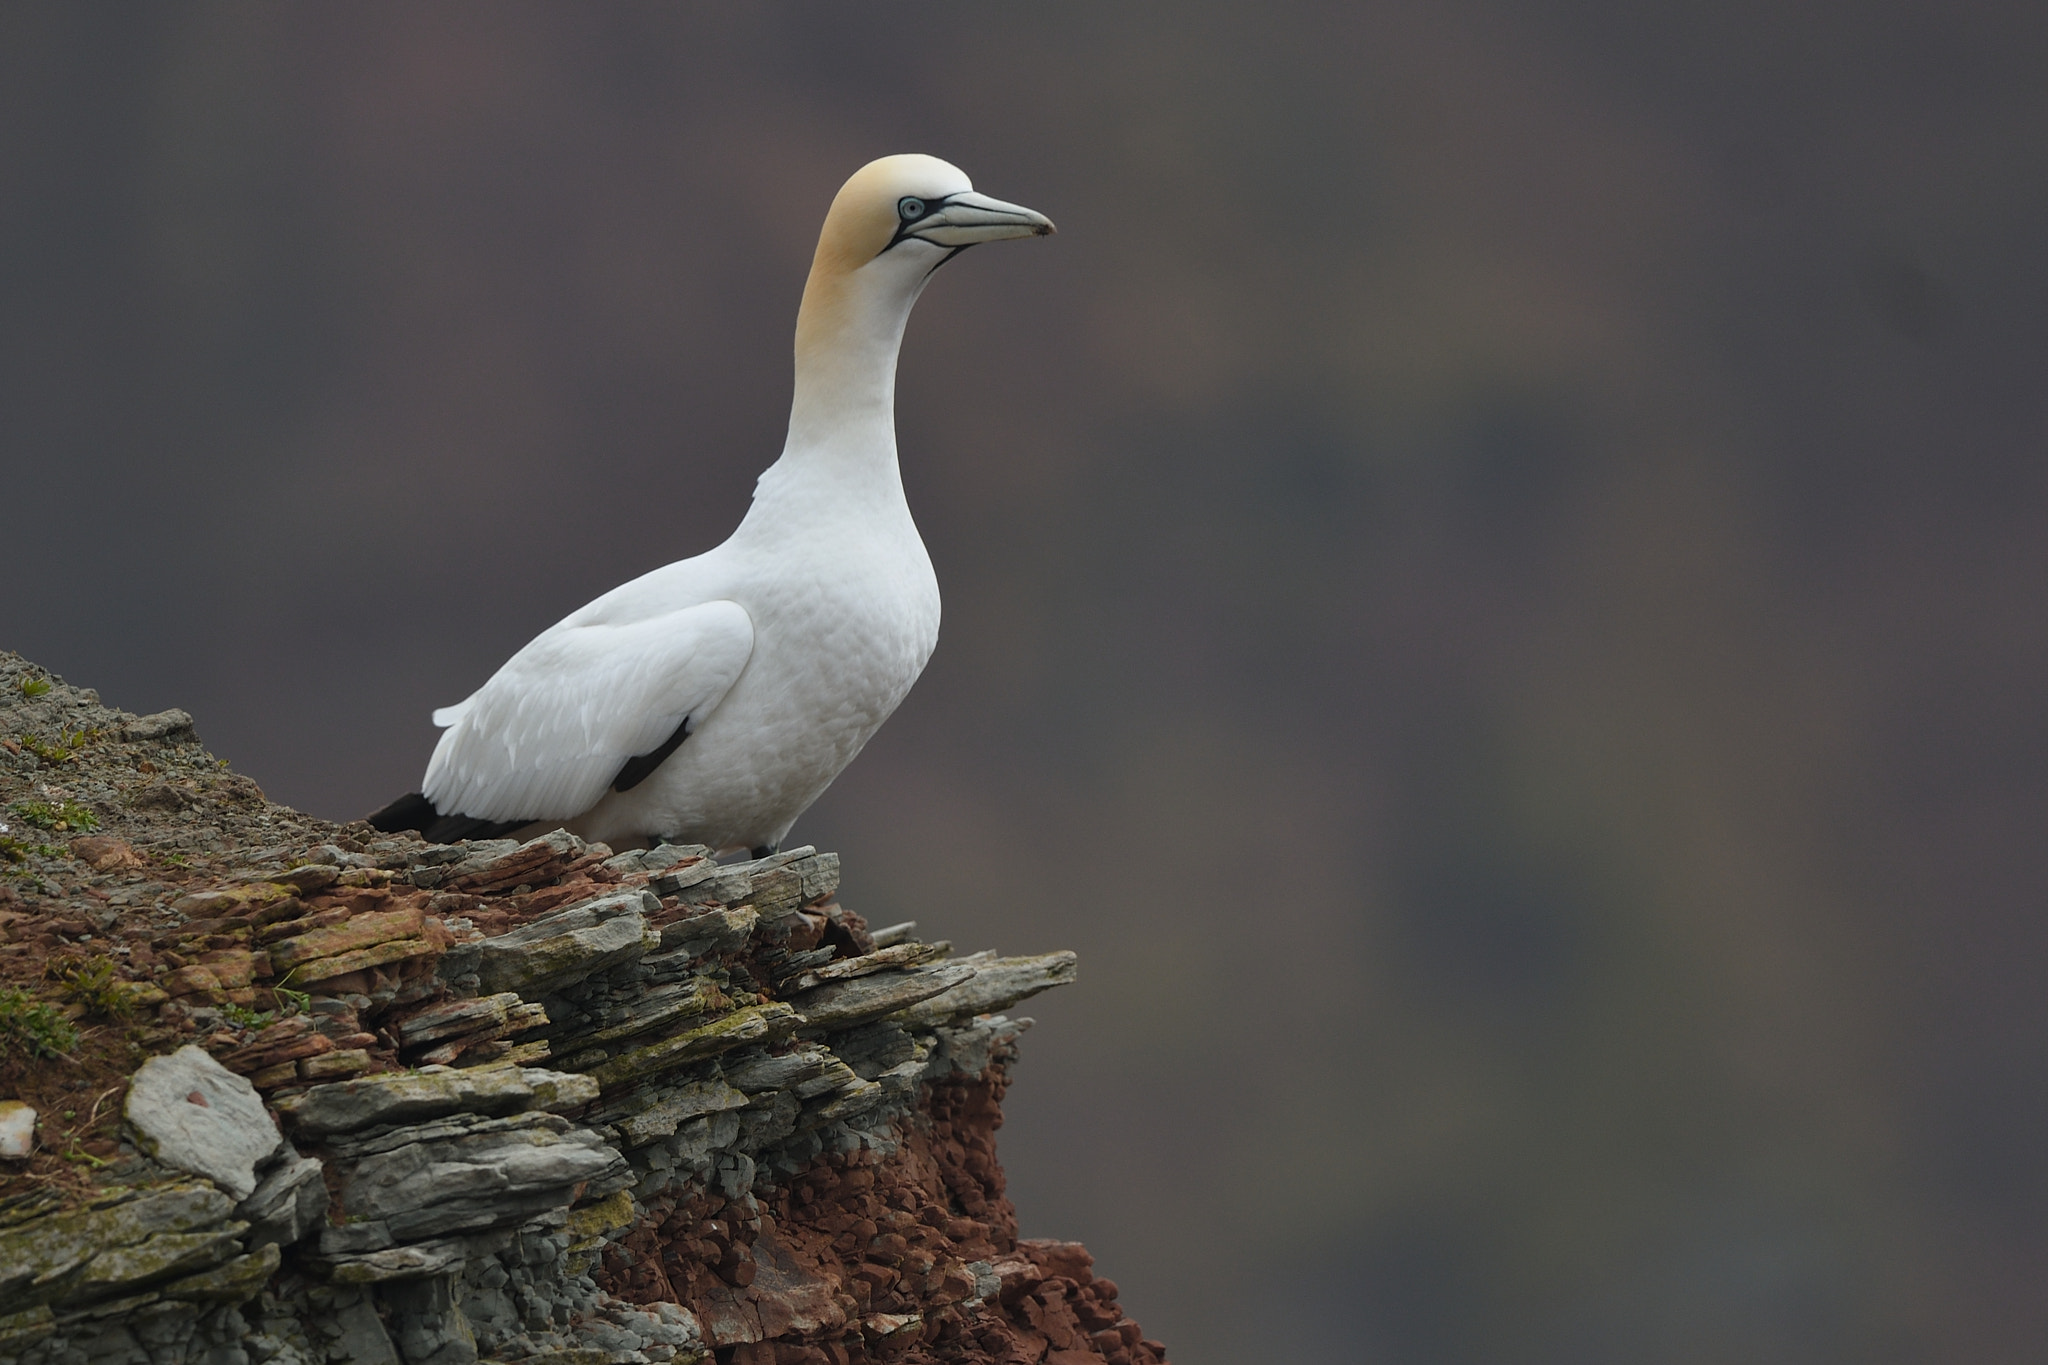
(785, 648)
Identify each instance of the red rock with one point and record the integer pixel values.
(193, 980)
(1070, 1259)
(104, 853)
(263, 1058)
(272, 1077)
(334, 1065)
(364, 931)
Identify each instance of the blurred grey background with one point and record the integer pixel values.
(1494, 576)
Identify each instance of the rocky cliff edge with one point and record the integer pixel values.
(279, 1091)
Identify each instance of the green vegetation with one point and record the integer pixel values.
(34, 687)
(241, 1016)
(59, 815)
(96, 984)
(31, 1026)
(13, 850)
(64, 749)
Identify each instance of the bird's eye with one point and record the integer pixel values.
(910, 208)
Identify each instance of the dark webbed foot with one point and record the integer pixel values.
(764, 851)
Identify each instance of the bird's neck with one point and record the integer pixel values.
(842, 420)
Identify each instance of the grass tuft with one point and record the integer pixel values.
(57, 815)
(30, 1026)
(94, 983)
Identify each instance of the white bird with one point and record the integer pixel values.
(713, 700)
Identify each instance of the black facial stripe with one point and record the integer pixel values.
(904, 228)
(955, 251)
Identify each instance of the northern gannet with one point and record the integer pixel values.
(712, 700)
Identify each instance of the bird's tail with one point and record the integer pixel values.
(414, 812)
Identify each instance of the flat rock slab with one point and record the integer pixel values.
(998, 983)
(467, 1183)
(192, 1113)
(842, 1004)
(679, 1106)
(410, 1096)
(41, 1258)
(564, 947)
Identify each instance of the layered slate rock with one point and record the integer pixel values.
(525, 1101)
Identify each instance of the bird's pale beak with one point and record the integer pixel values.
(969, 218)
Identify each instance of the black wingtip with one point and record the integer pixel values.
(411, 811)
(414, 812)
(637, 769)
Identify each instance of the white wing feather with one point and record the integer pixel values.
(544, 738)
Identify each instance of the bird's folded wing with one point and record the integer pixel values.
(545, 736)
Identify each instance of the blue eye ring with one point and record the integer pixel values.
(910, 208)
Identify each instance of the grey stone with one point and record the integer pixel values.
(664, 856)
(696, 1140)
(718, 931)
(655, 1008)
(370, 1142)
(40, 1257)
(894, 934)
(289, 1202)
(456, 1018)
(806, 1072)
(841, 1004)
(756, 866)
(20, 1330)
(234, 1281)
(997, 984)
(855, 1099)
(729, 886)
(775, 893)
(407, 1096)
(431, 1327)
(358, 1334)
(118, 1270)
(572, 943)
(159, 725)
(490, 858)
(192, 1113)
(875, 1048)
(755, 1024)
(882, 959)
(820, 875)
(674, 881)
(396, 1263)
(475, 1181)
(474, 855)
(675, 1107)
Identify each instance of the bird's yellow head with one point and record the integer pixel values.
(912, 198)
(897, 220)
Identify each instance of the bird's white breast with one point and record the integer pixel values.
(845, 616)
